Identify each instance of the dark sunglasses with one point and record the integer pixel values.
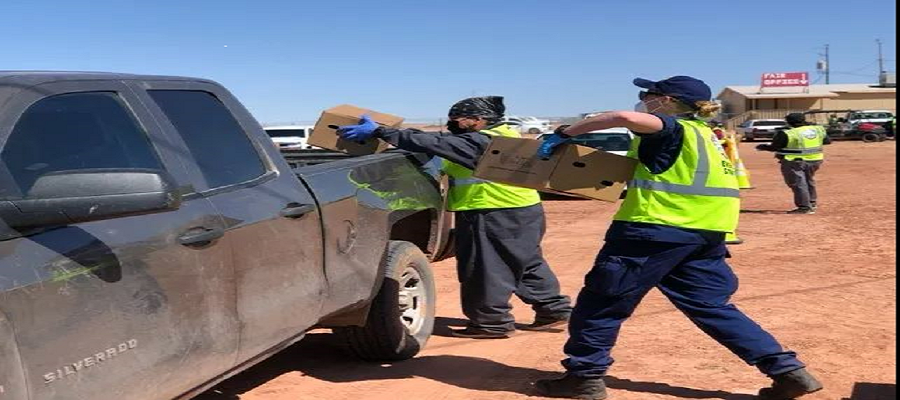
(644, 95)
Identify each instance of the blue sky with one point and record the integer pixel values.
(288, 60)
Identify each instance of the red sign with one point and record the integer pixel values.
(785, 79)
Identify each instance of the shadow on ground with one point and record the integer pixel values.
(873, 391)
(748, 211)
(443, 326)
(321, 356)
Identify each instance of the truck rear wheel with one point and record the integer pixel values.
(401, 317)
(871, 137)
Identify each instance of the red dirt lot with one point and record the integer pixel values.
(823, 284)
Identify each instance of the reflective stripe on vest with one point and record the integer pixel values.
(466, 181)
(701, 175)
(811, 150)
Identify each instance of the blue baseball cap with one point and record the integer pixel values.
(686, 89)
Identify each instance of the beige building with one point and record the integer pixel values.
(741, 103)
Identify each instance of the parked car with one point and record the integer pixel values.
(754, 129)
(154, 241)
(528, 125)
(290, 136)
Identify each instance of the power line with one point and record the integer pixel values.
(869, 65)
(853, 74)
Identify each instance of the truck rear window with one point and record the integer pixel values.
(217, 142)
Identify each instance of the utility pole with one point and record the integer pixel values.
(880, 58)
(824, 66)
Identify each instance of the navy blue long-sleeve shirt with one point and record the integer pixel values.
(464, 149)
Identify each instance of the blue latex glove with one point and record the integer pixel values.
(549, 144)
(360, 132)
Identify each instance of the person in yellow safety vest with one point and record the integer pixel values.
(731, 143)
(800, 151)
(733, 148)
(498, 229)
(669, 234)
(730, 147)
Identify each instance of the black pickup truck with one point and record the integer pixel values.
(153, 241)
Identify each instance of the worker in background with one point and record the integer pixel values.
(801, 154)
(730, 147)
(498, 229)
(717, 129)
(669, 233)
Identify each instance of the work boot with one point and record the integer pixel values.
(790, 385)
(543, 323)
(802, 210)
(572, 387)
(479, 333)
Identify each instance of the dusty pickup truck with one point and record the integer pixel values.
(153, 241)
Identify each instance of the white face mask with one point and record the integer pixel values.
(641, 107)
(654, 106)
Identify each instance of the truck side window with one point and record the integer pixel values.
(216, 141)
(73, 131)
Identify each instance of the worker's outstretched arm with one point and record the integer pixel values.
(637, 122)
(779, 141)
(463, 149)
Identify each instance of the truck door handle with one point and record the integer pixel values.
(200, 237)
(297, 210)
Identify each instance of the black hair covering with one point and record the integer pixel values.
(795, 119)
(487, 107)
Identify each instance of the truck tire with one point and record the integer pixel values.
(401, 317)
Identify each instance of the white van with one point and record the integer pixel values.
(290, 136)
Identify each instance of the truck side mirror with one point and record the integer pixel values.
(67, 197)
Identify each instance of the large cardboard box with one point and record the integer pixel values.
(325, 132)
(575, 170)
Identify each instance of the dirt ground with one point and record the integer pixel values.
(824, 285)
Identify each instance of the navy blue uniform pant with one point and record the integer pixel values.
(694, 277)
(498, 254)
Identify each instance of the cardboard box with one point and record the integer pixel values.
(325, 132)
(573, 169)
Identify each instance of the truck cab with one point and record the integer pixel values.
(153, 240)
